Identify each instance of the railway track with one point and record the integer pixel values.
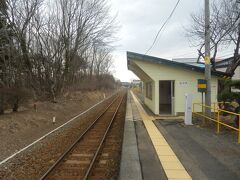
(92, 154)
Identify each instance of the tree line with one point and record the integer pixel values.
(49, 46)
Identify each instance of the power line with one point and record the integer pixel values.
(155, 39)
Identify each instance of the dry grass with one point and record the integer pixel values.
(19, 129)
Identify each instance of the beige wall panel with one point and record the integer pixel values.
(185, 82)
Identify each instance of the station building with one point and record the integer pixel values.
(166, 82)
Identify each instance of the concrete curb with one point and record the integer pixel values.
(130, 167)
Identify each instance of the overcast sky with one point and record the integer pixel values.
(140, 21)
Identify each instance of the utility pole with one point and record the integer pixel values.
(207, 59)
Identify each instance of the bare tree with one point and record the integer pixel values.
(225, 23)
(51, 45)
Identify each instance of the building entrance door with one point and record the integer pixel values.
(166, 97)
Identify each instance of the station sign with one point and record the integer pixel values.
(202, 85)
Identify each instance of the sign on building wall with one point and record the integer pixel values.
(183, 83)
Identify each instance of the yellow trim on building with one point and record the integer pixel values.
(170, 163)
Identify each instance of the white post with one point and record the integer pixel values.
(188, 109)
(54, 120)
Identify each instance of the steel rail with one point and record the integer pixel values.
(75, 143)
(54, 130)
(102, 141)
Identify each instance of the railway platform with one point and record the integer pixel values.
(130, 163)
(165, 148)
(148, 156)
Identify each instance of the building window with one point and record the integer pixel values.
(149, 90)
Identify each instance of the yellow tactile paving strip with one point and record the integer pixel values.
(170, 163)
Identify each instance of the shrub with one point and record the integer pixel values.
(229, 96)
(12, 97)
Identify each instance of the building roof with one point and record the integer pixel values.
(141, 57)
(224, 63)
(185, 60)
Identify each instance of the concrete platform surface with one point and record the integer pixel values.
(204, 154)
(130, 167)
(199, 150)
(150, 164)
(171, 164)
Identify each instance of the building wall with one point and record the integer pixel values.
(150, 102)
(185, 82)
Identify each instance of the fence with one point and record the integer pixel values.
(217, 116)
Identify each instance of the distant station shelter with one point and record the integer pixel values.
(166, 82)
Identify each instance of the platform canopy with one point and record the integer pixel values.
(131, 57)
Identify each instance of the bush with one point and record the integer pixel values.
(12, 97)
(229, 96)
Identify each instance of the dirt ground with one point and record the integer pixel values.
(17, 130)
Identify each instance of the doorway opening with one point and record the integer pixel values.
(166, 97)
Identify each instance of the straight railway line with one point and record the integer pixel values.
(94, 153)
